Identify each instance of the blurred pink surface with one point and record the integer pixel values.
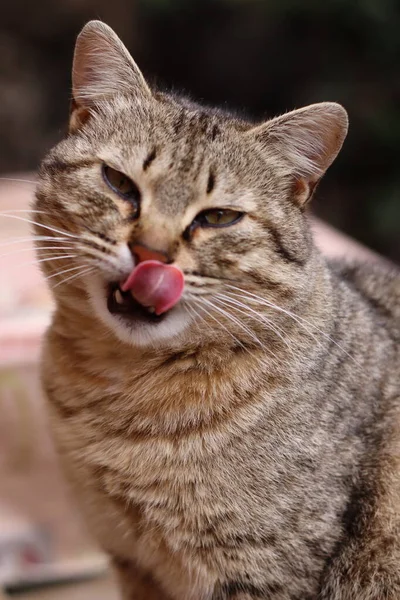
(24, 299)
(31, 482)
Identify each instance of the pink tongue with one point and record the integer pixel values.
(152, 283)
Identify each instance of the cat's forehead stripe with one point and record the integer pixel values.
(210, 182)
(194, 124)
(215, 131)
(149, 159)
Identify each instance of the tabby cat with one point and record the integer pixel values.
(226, 403)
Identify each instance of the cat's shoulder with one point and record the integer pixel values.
(377, 282)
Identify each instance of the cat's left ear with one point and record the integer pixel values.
(102, 68)
(307, 141)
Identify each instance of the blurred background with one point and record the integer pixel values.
(261, 57)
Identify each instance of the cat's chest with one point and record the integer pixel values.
(201, 503)
(183, 519)
(209, 497)
(152, 507)
(186, 527)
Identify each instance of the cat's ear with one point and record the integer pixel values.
(308, 140)
(102, 68)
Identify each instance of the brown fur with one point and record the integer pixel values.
(235, 451)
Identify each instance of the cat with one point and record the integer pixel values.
(225, 402)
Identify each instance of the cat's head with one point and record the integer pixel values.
(144, 175)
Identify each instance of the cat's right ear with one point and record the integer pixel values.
(101, 69)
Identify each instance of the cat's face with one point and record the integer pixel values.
(146, 176)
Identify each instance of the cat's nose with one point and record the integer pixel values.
(142, 253)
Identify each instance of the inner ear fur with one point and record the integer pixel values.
(102, 67)
(308, 140)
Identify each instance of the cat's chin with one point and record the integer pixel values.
(134, 325)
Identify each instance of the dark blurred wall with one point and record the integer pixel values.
(260, 57)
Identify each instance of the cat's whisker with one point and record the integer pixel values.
(76, 276)
(266, 302)
(14, 180)
(65, 271)
(270, 325)
(71, 247)
(300, 320)
(259, 300)
(37, 238)
(30, 221)
(29, 211)
(278, 331)
(46, 259)
(230, 317)
(21, 250)
(203, 320)
(60, 257)
(267, 349)
(246, 310)
(236, 320)
(190, 306)
(100, 256)
(189, 309)
(209, 314)
(70, 244)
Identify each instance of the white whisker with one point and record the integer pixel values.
(258, 316)
(9, 216)
(190, 311)
(29, 181)
(198, 315)
(97, 254)
(23, 210)
(237, 321)
(86, 271)
(20, 250)
(35, 262)
(36, 238)
(296, 318)
(230, 317)
(266, 349)
(300, 320)
(209, 314)
(65, 271)
(56, 257)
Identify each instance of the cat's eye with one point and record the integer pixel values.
(122, 185)
(219, 217)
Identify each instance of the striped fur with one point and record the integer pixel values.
(248, 446)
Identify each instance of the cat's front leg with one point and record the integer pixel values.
(134, 584)
(358, 573)
(237, 596)
(241, 590)
(244, 596)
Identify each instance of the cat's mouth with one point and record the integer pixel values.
(148, 293)
(123, 304)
